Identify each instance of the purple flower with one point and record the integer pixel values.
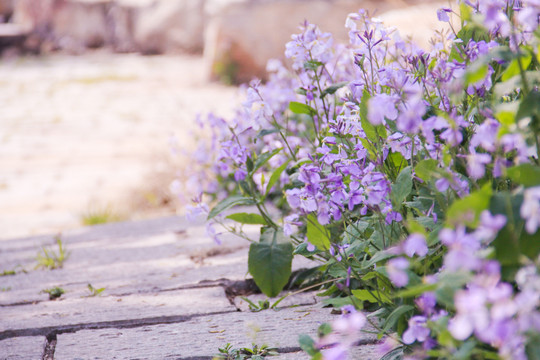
(489, 225)
(290, 223)
(381, 106)
(417, 331)
(345, 332)
(442, 14)
(472, 313)
(396, 271)
(530, 209)
(442, 184)
(393, 216)
(486, 135)
(462, 248)
(410, 115)
(426, 303)
(211, 231)
(476, 164)
(415, 244)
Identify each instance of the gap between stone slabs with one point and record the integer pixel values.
(199, 337)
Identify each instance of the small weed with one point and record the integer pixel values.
(100, 216)
(5, 289)
(8, 273)
(94, 291)
(54, 293)
(256, 353)
(49, 259)
(263, 304)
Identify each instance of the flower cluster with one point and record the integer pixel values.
(413, 174)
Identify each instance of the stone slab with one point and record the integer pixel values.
(76, 311)
(199, 337)
(22, 348)
(126, 259)
(365, 352)
(122, 263)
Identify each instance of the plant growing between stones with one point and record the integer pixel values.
(99, 216)
(54, 293)
(8, 273)
(94, 291)
(49, 259)
(256, 352)
(412, 176)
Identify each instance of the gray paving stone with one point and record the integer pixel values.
(131, 265)
(198, 337)
(364, 352)
(22, 348)
(126, 265)
(76, 311)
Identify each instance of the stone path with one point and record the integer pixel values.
(81, 135)
(170, 293)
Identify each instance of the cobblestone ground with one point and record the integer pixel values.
(169, 293)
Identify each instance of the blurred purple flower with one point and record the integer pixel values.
(442, 14)
(381, 106)
(530, 209)
(415, 244)
(396, 271)
(417, 330)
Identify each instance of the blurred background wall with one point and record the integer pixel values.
(236, 36)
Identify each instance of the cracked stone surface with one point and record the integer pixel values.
(169, 294)
(198, 337)
(74, 311)
(22, 348)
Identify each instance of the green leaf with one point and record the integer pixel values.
(402, 188)
(464, 12)
(379, 256)
(312, 65)
(301, 249)
(332, 89)
(274, 178)
(397, 160)
(513, 69)
(317, 233)
(533, 347)
(269, 261)
(414, 291)
(425, 168)
(228, 203)
(476, 72)
(530, 106)
(245, 218)
(263, 159)
(395, 315)
(473, 31)
(365, 295)
(467, 210)
(369, 128)
(449, 283)
(265, 132)
(307, 344)
(300, 108)
(512, 241)
(525, 174)
(338, 302)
